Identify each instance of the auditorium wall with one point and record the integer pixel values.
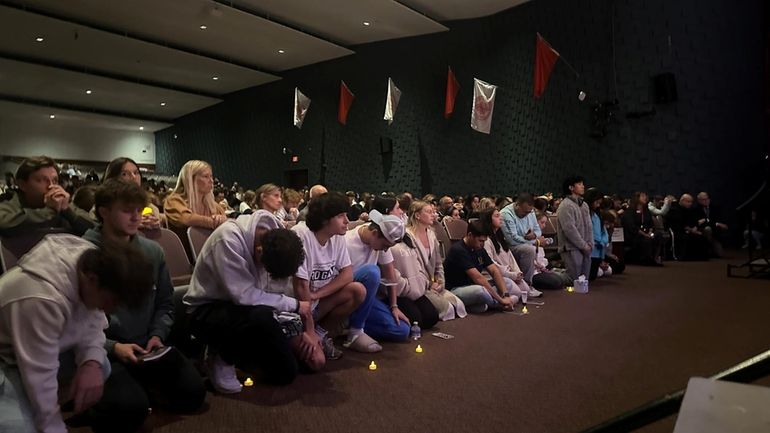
(712, 131)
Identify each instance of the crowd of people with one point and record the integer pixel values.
(286, 281)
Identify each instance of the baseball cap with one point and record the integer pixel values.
(392, 227)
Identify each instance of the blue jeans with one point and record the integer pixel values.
(382, 326)
(369, 276)
(477, 299)
(16, 413)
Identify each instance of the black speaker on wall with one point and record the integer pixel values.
(665, 88)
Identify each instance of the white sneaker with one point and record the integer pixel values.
(222, 375)
(534, 293)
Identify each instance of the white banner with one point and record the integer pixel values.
(483, 105)
(301, 105)
(391, 103)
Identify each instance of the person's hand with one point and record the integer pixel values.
(154, 343)
(519, 277)
(309, 342)
(701, 221)
(126, 352)
(56, 198)
(294, 212)
(398, 315)
(612, 256)
(305, 309)
(437, 287)
(543, 241)
(150, 222)
(506, 303)
(530, 236)
(722, 226)
(88, 385)
(219, 219)
(363, 217)
(588, 248)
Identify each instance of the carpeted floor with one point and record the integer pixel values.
(566, 366)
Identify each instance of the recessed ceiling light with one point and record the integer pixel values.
(215, 78)
(141, 128)
(203, 27)
(88, 92)
(52, 116)
(281, 51)
(39, 39)
(367, 23)
(162, 104)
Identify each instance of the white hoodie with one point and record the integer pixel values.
(41, 316)
(225, 269)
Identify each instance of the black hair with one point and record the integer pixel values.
(325, 207)
(476, 228)
(114, 190)
(384, 204)
(498, 239)
(115, 167)
(525, 197)
(122, 269)
(591, 195)
(570, 181)
(282, 253)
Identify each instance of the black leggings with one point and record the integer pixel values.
(248, 337)
(421, 310)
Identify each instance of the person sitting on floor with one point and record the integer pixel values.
(232, 313)
(463, 268)
(500, 253)
(138, 331)
(372, 264)
(546, 277)
(419, 263)
(325, 277)
(52, 324)
(40, 202)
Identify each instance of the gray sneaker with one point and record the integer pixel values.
(330, 350)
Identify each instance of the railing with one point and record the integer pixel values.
(747, 371)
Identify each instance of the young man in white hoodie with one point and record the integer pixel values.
(231, 310)
(52, 305)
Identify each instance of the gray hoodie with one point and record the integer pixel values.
(41, 316)
(225, 269)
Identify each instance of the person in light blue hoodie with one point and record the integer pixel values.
(603, 262)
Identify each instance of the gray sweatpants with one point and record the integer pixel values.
(577, 263)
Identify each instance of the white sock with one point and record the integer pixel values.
(354, 332)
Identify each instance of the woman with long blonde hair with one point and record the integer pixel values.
(192, 202)
(418, 260)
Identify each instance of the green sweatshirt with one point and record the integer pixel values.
(16, 218)
(156, 316)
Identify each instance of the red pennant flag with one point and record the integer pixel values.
(346, 100)
(452, 87)
(545, 60)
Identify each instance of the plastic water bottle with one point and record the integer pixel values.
(415, 333)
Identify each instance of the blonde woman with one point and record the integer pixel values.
(192, 202)
(269, 198)
(419, 262)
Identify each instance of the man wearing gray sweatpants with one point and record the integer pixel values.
(574, 229)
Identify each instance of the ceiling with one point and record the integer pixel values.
(157, 60)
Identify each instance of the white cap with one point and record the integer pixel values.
(392, 227)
